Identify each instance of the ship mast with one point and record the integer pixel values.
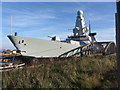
(10, 25)
(80, 27)
(89, 28)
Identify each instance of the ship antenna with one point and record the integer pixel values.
(89, 27)
(10, 25)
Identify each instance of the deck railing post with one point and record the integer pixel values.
(81, 52)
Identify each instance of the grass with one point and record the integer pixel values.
(0, 54)
(86, 72)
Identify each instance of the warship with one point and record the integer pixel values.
(35, 47)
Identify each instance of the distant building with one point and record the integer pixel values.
(7, 52)
(14, 51)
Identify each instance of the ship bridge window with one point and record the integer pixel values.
(25, 44)
(19, 42)
(24, 51)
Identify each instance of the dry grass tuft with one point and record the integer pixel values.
(85, 72)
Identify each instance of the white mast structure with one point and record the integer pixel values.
(80, 27)
(10, 25)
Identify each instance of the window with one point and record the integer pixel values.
(22, 41)
(19, 42)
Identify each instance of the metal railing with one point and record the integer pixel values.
(103, 48)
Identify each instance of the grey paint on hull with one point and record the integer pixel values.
(39, 47)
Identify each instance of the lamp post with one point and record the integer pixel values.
(118, 39)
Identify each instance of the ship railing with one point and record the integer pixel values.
(104, 48)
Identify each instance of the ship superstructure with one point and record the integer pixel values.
(54, 47)
(80, 32)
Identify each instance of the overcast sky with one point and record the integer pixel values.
(40, 19)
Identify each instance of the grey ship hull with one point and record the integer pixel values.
(39, 47)
(49, 48)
